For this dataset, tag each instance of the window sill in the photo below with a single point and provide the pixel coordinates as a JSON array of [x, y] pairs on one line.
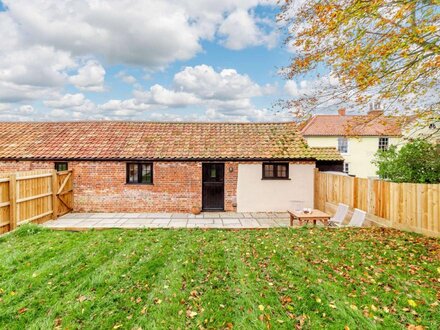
[[282, 179], [139, 184]]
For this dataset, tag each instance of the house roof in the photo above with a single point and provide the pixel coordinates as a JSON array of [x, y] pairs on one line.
[[156, 141], [360, 125]]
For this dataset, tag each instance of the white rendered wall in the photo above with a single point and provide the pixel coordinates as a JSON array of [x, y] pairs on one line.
[[361, 151], [257, 195]]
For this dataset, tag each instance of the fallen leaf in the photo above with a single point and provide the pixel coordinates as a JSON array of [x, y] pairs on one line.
[[22, 310], [261, 307], [412, 303], [191, 314]]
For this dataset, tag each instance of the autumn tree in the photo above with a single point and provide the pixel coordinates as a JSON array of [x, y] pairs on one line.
[[382, 50]]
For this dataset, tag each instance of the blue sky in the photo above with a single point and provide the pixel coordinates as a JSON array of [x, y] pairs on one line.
[[143, 60]]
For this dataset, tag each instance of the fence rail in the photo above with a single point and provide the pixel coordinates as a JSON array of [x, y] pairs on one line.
[[406, 206], [34, 196]]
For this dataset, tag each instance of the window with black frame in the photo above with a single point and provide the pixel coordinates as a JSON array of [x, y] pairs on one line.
[[140, 173], [61, 166], [275, 171], [383, 143]]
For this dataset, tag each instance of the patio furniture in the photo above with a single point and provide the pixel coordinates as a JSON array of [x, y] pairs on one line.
[[339, 216], [357, 220], [314, 216]]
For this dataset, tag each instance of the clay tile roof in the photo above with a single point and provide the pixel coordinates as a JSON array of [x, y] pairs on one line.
[[153, 141], [327, 154], [361, 125]]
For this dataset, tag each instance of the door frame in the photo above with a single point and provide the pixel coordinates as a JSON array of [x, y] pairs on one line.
[[204, 209]]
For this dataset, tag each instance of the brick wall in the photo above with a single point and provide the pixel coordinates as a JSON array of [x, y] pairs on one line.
[[11, 166], [101, 186]]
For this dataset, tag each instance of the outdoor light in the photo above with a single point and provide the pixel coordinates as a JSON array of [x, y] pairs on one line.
[[231, 169]]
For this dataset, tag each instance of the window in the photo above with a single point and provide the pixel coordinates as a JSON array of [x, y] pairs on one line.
[[346, 168], [383, 143], [61, 166], [342, 145], [140, 173], [432, 126], [275, 170]]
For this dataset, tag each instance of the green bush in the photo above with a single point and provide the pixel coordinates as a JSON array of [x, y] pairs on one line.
[[417, 161]]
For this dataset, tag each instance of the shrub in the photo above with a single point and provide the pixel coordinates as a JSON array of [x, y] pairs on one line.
[[417, 161]]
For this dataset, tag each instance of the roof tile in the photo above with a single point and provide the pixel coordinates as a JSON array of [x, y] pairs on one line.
[[159, 141], [360, 125]]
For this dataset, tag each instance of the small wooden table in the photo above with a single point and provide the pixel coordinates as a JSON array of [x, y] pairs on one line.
[[315, 215]]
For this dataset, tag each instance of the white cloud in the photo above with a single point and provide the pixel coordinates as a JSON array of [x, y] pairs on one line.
[[205, 82], [150, 33], [128, 79], [10, 112], [44, 41], [90, 77], [219, 95], [307, 88], [241, 29], [66, 101]]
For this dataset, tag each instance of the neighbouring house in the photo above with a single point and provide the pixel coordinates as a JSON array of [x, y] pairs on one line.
[[426, 126], [357, 137], [171, 167]]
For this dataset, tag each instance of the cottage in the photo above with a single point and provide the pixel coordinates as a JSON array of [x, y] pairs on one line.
[[171, 167], [357, 137]]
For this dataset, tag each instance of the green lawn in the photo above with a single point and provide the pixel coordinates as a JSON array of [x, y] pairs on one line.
[[249, 279]]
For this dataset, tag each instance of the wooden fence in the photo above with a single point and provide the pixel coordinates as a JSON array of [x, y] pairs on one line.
[[406, 206], [34, 196]]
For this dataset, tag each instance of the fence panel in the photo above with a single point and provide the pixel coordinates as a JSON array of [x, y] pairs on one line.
[[34, 196], [406, 206]]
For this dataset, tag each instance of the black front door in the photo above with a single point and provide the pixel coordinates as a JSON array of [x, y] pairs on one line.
[[213, 186]]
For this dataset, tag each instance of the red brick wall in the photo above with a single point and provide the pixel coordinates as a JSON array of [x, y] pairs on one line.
[[101, 187], [11, 166]]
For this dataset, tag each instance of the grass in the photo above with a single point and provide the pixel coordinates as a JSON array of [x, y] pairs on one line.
[[169, 279]]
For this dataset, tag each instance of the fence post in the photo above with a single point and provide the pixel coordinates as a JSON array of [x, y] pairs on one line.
[[355, 200], [316, 192], [54, 194], [12, 202], [371, 198]]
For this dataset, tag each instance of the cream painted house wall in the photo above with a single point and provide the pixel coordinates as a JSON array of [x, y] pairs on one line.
[[257, 195], [360, 153]]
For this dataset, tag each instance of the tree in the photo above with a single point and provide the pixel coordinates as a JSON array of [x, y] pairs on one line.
[[417, 161], [382, 50]]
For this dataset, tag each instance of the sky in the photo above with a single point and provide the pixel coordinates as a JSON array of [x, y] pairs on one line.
[[160, 60]]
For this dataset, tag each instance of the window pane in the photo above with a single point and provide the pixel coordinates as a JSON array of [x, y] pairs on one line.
[[61, 166], [146, 173], [132, 173], [268, 171], [342, 145], [383, 143], [282, 171], [213, 172]]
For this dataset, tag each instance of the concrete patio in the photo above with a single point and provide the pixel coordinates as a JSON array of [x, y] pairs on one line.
[[218, 220]]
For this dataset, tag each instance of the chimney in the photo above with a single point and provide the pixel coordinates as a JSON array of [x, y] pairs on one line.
[[375, 109], [341, 112]]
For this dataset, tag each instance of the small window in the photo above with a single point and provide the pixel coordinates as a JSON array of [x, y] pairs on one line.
[[61, 166], [346, 168], [342, 145], [432, 126], [140, 173], [383, 143], [275, 170]]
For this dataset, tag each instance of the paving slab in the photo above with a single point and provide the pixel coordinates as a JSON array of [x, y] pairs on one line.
[[207, 220]]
